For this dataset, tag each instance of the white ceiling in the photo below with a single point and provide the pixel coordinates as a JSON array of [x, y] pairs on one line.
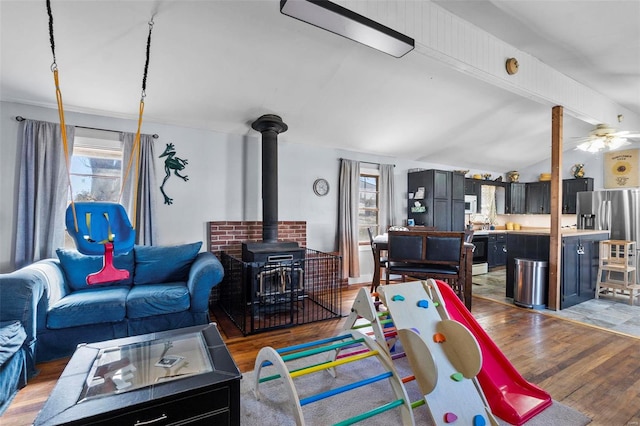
[[221, 64]]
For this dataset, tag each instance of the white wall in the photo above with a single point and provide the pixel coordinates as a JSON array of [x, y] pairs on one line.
[[593, 167], [225, 180]]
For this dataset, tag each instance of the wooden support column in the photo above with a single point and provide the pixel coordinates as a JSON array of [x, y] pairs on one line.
[[555, 238]]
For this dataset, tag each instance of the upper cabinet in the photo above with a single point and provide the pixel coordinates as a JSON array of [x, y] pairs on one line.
[[570, 189], [516, 197], [436, 198], [538, 197], [487, 191], [525, 198]]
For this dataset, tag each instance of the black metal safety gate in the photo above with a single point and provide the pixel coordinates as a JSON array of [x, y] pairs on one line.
[[261, 296]]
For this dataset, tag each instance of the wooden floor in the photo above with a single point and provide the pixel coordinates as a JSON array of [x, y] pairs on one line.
[[594, 371]]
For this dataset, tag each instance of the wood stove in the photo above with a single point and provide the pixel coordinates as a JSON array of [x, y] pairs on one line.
[[276, 284]]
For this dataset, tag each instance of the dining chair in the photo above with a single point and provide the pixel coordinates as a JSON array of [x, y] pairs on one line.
[[437, 255], [382, 261]]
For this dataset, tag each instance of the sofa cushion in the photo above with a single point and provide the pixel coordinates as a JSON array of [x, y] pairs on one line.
[[77, 266], [163, 264], [92, 306], [12, 336], [157, 299]]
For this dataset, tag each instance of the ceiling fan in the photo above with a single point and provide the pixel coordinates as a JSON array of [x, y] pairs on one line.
[[605, 136]]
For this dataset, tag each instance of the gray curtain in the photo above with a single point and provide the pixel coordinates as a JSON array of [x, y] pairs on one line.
[[144, 222], [43, 191], [387, 195], [348, 217]]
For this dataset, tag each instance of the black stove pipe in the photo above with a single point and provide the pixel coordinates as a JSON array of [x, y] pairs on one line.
[[270, 125]]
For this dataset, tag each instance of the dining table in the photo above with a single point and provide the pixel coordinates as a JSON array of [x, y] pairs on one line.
[[381, 244]]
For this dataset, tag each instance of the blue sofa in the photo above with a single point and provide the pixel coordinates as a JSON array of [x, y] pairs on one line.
[[18, 302], [168, 287]]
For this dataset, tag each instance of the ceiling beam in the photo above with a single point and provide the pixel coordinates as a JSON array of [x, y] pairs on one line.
[[443, 36]]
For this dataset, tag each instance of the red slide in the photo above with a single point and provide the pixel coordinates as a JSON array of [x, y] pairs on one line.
[[509, 395]]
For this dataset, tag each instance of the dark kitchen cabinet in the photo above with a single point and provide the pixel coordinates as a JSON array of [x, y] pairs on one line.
[[457, 202], [457, 187], [473, 187], [497, 250], [570, 188], [516, 198], [580, 256], [436, 199], [538, 197]]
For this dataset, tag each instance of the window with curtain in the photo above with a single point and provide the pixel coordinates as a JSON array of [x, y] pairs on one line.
[[43, 186], [96, 168], [368, 205]]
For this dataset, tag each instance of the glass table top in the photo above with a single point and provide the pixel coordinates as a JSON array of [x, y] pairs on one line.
[[120, 369]]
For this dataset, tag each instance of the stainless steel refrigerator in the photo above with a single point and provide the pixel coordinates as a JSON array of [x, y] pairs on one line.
[[617, 211]]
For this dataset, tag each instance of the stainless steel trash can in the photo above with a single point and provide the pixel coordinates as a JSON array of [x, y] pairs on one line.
[[531, 283]]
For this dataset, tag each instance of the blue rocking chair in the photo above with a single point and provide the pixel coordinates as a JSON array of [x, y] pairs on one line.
[[101, 228]]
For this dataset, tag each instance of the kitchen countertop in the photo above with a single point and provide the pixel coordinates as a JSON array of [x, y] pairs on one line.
[[541, 231]]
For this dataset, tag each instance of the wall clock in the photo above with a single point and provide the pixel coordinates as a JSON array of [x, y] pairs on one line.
[[321, 187]]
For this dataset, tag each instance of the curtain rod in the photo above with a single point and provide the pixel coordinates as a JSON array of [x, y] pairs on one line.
[[155, 136], [365, 162]]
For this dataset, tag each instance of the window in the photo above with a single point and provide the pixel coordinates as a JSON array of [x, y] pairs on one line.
[[368, 207], [96, 168]]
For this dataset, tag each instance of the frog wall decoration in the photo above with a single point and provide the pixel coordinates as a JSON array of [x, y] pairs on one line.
[[172, 163]]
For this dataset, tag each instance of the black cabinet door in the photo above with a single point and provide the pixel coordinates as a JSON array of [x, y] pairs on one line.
[[516, 196], [538, 196], [501, 255], [457, 215], [469, 187], [492, 253], [442, 184], [570, 272], [442, 214], [457, 186], [580, 256], [570, 188], [497, 252], [473, 187], [500, 258]]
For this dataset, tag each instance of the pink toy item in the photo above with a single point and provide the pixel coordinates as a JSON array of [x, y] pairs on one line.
[[510, 396]]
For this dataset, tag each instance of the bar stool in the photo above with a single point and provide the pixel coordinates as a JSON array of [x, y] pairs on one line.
[[617, 269]]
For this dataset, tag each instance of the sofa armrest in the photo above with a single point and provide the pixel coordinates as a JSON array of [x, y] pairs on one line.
[[20, 294], [26, 294], [206, 272]]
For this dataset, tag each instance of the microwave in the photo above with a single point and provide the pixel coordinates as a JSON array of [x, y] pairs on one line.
[[470, 204]]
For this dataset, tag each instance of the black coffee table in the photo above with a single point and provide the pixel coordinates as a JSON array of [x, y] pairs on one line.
[[183, 376]]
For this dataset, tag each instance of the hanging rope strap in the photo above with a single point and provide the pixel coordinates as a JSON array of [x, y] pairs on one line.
[[63, 127], [136, 142]]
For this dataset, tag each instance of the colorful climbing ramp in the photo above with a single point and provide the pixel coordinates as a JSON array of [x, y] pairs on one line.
[[444, 356], [272, 364]]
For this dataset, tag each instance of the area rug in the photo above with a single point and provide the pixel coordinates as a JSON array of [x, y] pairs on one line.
[[273, 408]]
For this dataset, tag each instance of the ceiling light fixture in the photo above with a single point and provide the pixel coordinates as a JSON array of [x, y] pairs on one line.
[[598, 143], [335, 18], [604, 136]]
